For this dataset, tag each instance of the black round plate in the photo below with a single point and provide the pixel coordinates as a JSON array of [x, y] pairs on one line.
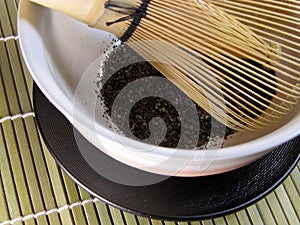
[[174, 198]]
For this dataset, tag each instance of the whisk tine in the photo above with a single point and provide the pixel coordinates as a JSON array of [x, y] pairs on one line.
[[276, 5], [235, 7], [189, 68], [237, 59], [225, 41], [152, 36]]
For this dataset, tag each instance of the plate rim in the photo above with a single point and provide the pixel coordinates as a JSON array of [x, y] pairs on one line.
[[98, 196]]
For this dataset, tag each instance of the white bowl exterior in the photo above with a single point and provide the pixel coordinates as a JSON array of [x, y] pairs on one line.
[[58, 49]]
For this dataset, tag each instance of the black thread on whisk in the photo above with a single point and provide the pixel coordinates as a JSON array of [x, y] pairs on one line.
[[136, 14]]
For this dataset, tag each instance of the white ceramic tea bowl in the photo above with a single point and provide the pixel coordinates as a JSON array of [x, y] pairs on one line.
[[63, 57]]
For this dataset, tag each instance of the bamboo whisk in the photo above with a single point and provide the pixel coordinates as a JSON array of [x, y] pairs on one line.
[[238, 60]]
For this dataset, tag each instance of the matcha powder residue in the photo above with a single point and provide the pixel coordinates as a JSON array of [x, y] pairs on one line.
[[152, 118]]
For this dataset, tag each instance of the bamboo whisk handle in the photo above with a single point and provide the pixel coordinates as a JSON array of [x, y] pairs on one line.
[[86, 11]]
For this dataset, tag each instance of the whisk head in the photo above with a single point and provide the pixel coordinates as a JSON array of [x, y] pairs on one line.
[[239, 60]]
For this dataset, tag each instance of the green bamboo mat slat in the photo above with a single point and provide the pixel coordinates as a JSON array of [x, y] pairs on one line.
[[195, 223], [89, 209], [4, 110], [293, 196], [277, 212], [12, 179], [182, 223], [8, 18], [130, 219], [46, 187], [265, 212], [169, 223], [73, 196], [57, 186], [116, 216], [28, 82], [220, 221], [11, 205], [29, 171], [295, 175], [207, 222], [158, 222], [8, 81], [286, 205], [254, 215], [243, 217], [34, 190], [103, 213], [18, 75], [231, 219], [143, 221], [4, 215], [13, 78], [6, 184]]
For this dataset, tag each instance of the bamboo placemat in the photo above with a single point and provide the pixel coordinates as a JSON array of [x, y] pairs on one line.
[[33, 190]]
